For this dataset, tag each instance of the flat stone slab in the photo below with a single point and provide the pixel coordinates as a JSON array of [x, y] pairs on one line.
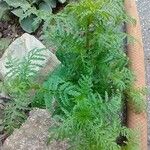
[[33, 134]]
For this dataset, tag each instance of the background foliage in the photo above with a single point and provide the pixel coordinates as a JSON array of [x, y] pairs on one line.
[[30, 12]]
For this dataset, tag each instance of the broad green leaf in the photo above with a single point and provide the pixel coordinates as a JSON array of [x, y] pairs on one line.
[[45, 7], [62, 1], [34, 1], [24, 4], [3, 9], [51, 3], [18, 12], [28, 24]]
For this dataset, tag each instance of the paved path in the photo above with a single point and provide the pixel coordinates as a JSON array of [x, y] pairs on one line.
[[144, 12]]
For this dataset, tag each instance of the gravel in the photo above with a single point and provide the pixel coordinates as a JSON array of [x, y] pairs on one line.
[[144, 13]]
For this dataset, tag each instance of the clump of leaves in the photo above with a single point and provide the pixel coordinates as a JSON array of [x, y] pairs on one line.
[[86, 92], [21, 85], [30, 12]]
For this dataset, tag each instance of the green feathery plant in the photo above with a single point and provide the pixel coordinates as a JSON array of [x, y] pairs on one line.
[[20, 84], [87, 92]]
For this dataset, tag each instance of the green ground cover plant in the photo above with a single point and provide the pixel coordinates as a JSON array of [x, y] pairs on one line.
[[89, 89]]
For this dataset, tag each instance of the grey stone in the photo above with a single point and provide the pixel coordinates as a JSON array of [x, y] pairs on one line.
[[33, 134], [21, 47]]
